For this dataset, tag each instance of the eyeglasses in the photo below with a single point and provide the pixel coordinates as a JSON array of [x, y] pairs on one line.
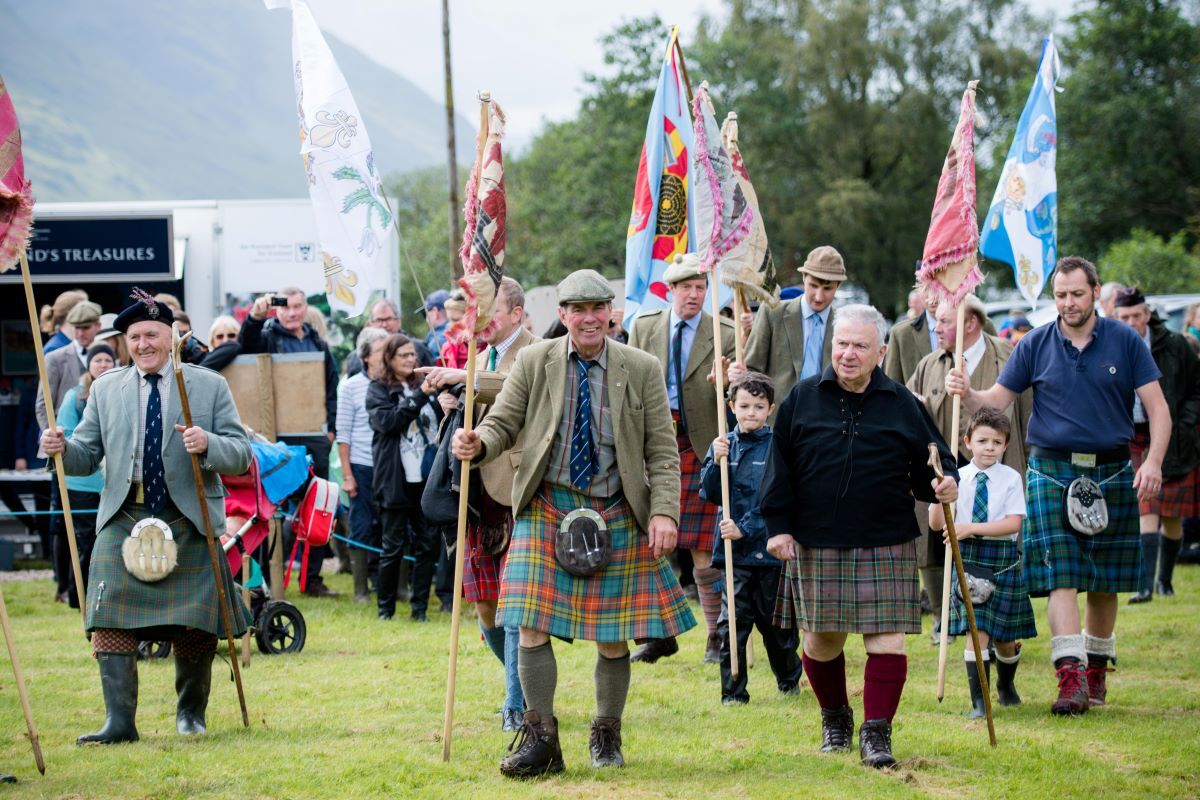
[[378, 320]]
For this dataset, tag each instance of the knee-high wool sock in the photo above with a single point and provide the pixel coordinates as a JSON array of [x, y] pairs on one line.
[[885, 675], [539, 677], [710, 601], [828, 680], [495, 639], [612, 685]]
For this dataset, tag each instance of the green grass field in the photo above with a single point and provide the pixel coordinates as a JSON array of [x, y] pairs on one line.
[[358, 714]]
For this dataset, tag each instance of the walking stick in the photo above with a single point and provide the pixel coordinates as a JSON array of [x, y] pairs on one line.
[[935, 461], [52, 424], [955, 415], [223, 599], [246, 600], [19, 677]]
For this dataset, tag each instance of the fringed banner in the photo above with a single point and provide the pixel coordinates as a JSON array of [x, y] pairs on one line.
[[748, 266], [16, 193]]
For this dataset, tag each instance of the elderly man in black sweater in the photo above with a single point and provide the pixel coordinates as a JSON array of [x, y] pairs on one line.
[[849, 454]]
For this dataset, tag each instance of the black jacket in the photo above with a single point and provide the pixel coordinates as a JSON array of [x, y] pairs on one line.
[[1181, 387], [257, 336], [391, 411], [844, 467]]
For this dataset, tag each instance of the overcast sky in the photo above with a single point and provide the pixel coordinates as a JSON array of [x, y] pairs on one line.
[[532, 54]]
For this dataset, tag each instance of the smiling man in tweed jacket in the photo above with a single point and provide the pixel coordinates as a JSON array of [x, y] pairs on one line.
[[598, 435], [132, 425]]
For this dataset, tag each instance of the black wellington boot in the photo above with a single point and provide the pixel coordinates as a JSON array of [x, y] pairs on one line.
[[1006, 688], [119, 683], [977, 708], [193, 681]]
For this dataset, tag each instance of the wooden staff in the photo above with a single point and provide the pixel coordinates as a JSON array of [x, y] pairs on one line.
[[246, 600], [460, 539], [724, 464], [955, 413], [935, 461], [739, 345], [52, 424], [19, 676], [223, 599]]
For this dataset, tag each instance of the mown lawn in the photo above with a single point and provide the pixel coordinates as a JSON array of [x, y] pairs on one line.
[[359, 714]]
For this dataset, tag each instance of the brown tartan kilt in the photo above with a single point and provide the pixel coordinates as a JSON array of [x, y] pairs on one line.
[[851, 590], [697, 516], [1178, 498]]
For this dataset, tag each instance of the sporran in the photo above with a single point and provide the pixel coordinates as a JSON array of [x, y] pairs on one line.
[[981, 584], [583, 543], [150, 552], [1084, 508]]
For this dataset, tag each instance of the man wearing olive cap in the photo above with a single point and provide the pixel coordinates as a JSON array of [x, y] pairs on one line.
[[598, 438], [133, 427], [65, 365]]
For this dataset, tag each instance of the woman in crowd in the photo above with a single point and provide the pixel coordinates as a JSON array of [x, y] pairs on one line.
[[83, 492], [52, 318], [222, 343], [404, 418]]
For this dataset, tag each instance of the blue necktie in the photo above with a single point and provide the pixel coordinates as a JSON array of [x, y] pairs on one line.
[[814, 346], [154, 480], [583, 449], [979, 509], [677, 369]]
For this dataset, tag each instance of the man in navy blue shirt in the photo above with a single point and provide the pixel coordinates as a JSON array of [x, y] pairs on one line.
[[1085, 372]]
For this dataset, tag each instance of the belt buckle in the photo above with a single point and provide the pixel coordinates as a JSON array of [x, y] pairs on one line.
[[139, 494], [1086, 460]]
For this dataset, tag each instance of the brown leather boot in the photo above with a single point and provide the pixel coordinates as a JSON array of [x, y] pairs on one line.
[[1072, 689], [605, 743], [712, 649], [538, 752], [1097, 683]]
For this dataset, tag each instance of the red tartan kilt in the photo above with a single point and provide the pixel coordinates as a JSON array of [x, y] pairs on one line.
[[697, 517], [1180, 497], [481, 569]]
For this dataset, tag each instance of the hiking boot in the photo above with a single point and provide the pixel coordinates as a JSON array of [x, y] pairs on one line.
[[1097, 685], [193, 681], [837, 729], [712, 649], [978, 709], [538, 752], [655, 649], [875, 744], [1006, 689], [119, 683], [604, 742], [1072, 689], [316, 588]]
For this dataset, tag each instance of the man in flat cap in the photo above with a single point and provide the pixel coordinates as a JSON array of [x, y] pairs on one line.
[[794, 340], [681, 337], [132, 426], [596, 498]]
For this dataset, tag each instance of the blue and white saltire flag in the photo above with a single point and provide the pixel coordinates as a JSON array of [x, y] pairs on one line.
[[1021, 227], [354, 224]]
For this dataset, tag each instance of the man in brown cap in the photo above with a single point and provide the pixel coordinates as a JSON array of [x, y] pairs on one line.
[[792, 341]]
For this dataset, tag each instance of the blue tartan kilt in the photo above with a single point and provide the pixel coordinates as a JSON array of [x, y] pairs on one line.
[[1007, 615], [1055, 556]]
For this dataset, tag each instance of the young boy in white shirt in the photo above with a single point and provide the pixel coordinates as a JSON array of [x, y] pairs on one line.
[[987, 521]]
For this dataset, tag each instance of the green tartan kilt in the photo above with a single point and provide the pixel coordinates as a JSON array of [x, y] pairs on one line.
[[1055, 556], [1007, 615], [636, 596], [186, 598]]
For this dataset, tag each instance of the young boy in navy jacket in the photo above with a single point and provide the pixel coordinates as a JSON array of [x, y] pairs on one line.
[[755, 571]]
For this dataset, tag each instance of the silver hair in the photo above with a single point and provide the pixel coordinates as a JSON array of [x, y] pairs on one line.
[[861, 314], [366, 338]]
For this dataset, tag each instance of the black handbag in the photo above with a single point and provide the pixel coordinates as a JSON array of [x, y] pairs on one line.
[[439, 498]]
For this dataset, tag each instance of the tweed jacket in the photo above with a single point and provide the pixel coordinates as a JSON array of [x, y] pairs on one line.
[[532, 403], [497, 475], [776, 344], [63, 371], [651, 333], [908, 343], [929, 381], [108, 435]]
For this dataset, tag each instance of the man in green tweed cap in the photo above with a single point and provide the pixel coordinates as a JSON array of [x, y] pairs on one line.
[[599, 444], [132, 426]]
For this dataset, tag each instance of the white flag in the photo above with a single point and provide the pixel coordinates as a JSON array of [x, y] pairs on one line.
[[353, 222]]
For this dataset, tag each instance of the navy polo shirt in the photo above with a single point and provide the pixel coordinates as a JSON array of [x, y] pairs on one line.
[[1082, 399]]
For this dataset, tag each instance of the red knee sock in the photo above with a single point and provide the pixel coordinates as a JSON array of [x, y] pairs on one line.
[[828, 680], [884, 683]]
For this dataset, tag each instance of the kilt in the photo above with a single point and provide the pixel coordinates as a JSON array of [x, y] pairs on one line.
[[635, 597], [1007, 615], [852, 590], [187, 597], [481, 569], [1055, 557], [698, 518], [1179, 497]]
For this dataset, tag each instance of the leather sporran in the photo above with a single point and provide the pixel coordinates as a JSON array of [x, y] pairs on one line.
[[150, 552], [583, 543], [1084, 508], [981, 584]]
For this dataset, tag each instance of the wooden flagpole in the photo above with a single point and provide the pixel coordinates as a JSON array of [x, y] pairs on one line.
[[460, 539], [19, 677], [739, 347], [951, 544], [52, 424]]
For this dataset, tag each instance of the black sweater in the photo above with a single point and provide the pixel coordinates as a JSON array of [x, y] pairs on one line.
[[844, 467]]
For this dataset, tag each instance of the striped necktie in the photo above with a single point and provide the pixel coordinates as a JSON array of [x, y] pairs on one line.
[[154, 480], [583, 448], [979, 509]]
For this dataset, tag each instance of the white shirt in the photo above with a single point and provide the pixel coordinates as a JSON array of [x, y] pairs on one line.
[[974, 354], [1006, 493], [503, 347], [930, 325], [80, 351], [165, 384]]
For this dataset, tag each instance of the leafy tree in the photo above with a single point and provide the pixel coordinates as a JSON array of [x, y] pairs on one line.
[[1155, 265]]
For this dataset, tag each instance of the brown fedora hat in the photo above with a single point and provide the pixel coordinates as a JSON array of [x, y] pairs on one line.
[[825, 263]]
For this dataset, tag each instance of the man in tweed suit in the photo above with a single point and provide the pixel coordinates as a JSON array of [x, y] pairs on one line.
[[132, 427], [598, 436]]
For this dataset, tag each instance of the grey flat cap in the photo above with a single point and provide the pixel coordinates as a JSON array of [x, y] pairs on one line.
[[84, 313], [585, 286]]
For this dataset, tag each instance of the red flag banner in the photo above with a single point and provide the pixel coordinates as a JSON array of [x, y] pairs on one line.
[[16, 194]]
